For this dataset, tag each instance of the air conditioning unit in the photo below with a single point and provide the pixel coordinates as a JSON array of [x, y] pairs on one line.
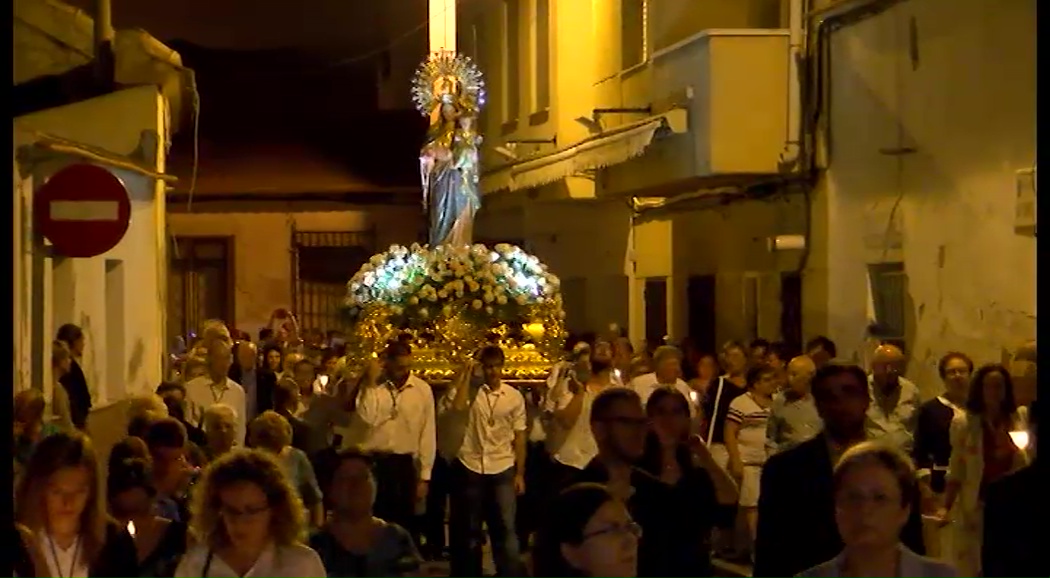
[[1024, 218]]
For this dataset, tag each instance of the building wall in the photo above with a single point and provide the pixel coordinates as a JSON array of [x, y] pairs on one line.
[[953, 82], [124, 333], [262, 247], [602, 257]]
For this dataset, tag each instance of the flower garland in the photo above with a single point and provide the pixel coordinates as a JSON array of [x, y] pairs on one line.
[[418, 287]]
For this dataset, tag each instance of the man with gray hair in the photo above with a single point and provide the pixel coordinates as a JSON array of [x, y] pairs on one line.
[[667, 372]]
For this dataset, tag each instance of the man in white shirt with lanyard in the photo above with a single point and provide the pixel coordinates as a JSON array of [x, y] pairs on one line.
[[397, 411], [488, 473], [569, 406], [217, 387]]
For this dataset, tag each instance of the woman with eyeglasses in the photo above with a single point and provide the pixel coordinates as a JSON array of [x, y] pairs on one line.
[[588, 533], [60, 498], [247, 520], [874, 487]]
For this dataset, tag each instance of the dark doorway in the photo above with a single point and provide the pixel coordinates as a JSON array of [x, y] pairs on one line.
[[322, 263], [791, 309], [702, 319], [655, 310], [199, 283]]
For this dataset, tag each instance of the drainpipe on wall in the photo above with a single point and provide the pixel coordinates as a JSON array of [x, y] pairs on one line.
[[105, 62], [789, 157]]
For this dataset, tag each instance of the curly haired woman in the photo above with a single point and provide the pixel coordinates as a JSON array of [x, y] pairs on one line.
[[247, 520]]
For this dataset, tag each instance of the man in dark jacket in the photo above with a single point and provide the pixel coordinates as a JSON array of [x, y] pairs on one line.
[[796, 508], [1012, 520], [74, 381]]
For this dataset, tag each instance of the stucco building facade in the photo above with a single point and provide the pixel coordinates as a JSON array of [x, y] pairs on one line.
[[117, 297], [916, 118]]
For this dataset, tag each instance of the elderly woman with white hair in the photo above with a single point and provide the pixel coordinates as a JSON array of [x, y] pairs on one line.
[[220, 430]]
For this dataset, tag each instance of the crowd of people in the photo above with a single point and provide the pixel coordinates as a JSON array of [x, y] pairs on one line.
[[284, 457]]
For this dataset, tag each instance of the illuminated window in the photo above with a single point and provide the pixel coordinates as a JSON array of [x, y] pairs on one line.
[[542, 56], [511, 61], [632, 35]]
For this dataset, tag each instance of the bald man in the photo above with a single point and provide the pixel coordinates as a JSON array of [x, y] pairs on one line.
[[894, 409], [793, 416]]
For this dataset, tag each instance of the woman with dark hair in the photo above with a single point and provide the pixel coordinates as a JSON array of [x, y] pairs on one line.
[[705, 373], [354, 542], [159, 542], [745, 437], [588, 532], [74, 380], [60, 498], [982, 452], [247, 519], [705, 494], [933, 446]]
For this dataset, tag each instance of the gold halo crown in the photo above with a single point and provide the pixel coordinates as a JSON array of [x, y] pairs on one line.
[[467, 86]]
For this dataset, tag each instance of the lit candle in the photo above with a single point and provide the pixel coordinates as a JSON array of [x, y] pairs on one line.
[[694, 397], [1020, 439], [131, 529]]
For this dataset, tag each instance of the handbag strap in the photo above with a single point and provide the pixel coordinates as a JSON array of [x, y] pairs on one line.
[[714, 413], [207, 563]]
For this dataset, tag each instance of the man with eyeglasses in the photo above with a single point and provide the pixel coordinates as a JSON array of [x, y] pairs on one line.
[[620, 426]]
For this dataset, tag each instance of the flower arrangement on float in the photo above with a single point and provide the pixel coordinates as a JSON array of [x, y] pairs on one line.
[[456, 295]]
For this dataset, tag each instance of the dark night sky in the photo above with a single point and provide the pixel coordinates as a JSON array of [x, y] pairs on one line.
[[265, 73], [335, 26]]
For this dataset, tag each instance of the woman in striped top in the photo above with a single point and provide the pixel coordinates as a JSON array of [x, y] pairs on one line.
[[745, 436]]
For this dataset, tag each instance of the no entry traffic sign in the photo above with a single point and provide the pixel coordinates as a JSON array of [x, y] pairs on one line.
[[84, 210]]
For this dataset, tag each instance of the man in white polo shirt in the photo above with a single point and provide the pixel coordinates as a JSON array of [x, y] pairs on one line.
[[667, 366], [216, 387], [488, 472]]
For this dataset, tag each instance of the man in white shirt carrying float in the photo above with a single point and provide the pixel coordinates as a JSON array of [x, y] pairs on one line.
[[488, 472], [397, 411]]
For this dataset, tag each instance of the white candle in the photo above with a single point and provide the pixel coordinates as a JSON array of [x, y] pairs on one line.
[[131, 529]]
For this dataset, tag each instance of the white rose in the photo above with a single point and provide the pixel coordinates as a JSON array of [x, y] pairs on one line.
[[521, 299], [446, 310], [432, 297], [413, 300], [489, 309], [476, 304], [501, 299], [488, 297], [424, 312]]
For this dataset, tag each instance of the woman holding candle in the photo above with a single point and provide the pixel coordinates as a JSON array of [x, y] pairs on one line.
[[60, 499], [983, 451], [159, 542]]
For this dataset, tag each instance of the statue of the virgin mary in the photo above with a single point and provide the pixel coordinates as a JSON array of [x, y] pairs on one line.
[[448, 89]]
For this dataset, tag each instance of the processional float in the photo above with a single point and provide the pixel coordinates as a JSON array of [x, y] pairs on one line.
[[451, 296]]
